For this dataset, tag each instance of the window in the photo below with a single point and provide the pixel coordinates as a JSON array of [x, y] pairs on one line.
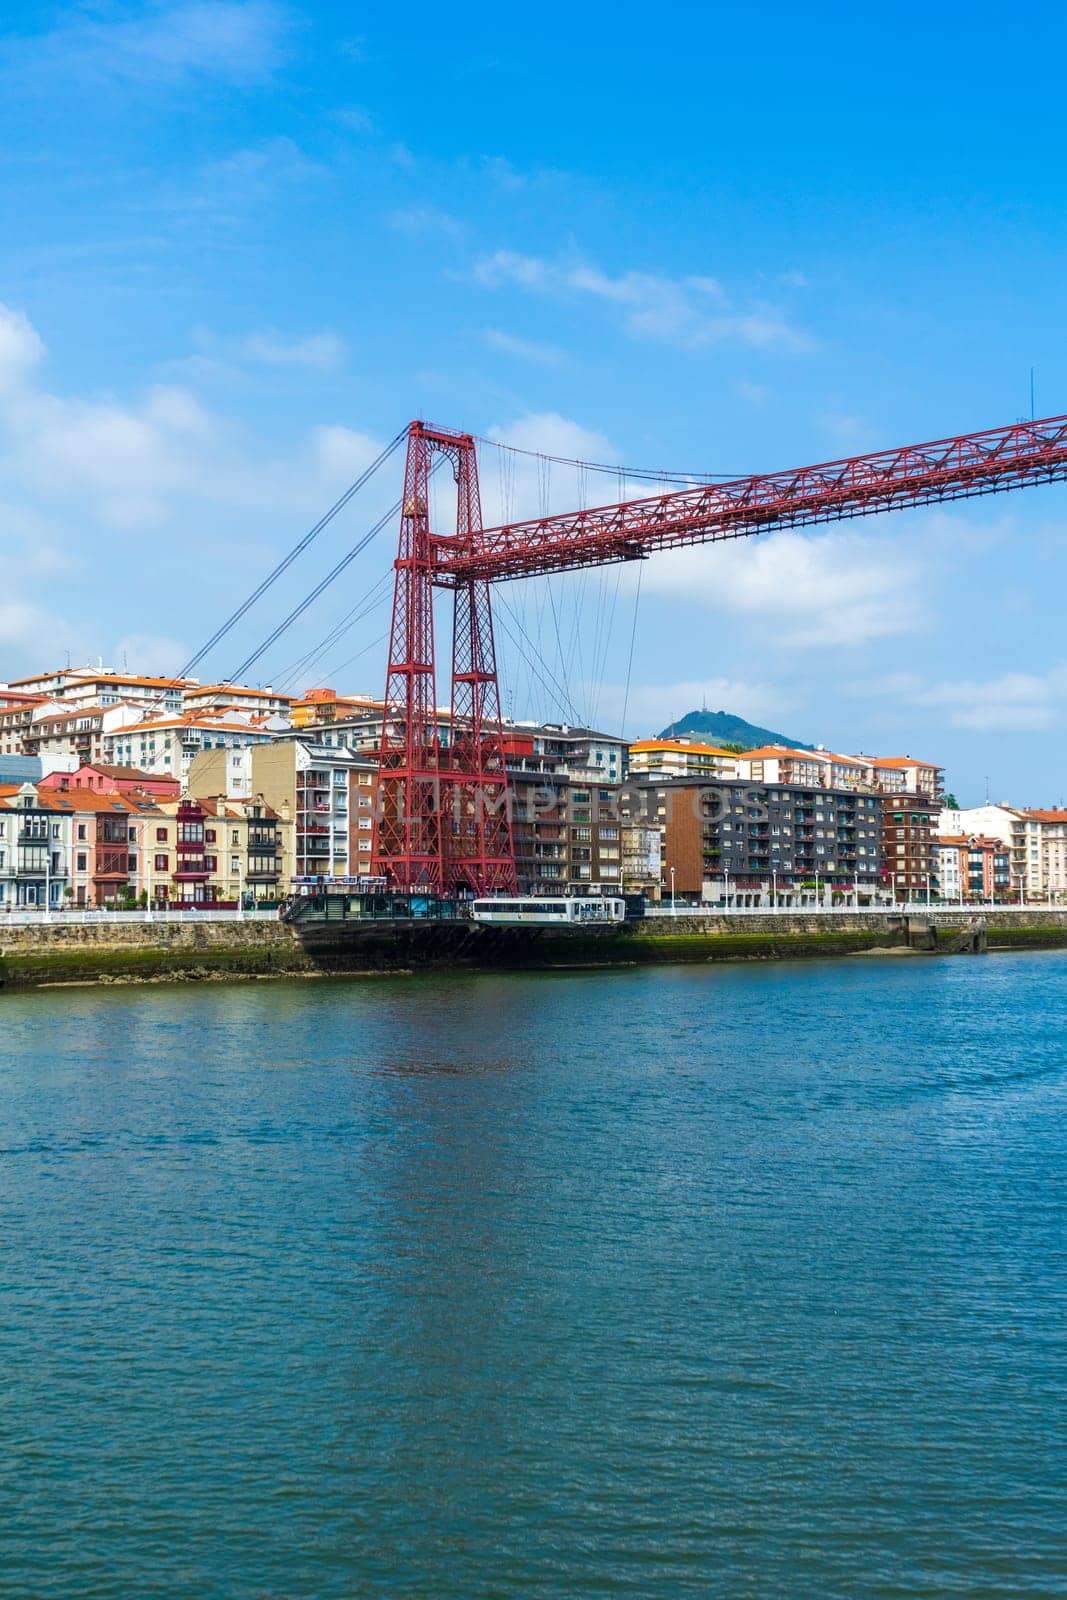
[[161, 835], [81, 830], [235, 837], [210, 863], [235, 863], [209, 835], [161, 863], [81, 861], [131, 863]]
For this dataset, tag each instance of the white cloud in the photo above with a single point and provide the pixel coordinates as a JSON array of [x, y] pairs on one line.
[[150, 652], [757, 394], [355, 119], [239, 40], [526, 485], [827, 589], [853, 433], [20, 347], [29, 563], [131, 465], [258, 168], [692, 312], [1015, 702], [342, 453], [545, 355], [502, 173], [319, 352], [418, 221]]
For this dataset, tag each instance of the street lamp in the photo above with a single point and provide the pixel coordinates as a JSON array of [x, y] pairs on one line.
[[726, 879], [774, 889], [672, 891]]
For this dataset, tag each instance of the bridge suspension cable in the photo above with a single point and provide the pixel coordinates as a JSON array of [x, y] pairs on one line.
[[612, 469], [320, 588], [297, 550]]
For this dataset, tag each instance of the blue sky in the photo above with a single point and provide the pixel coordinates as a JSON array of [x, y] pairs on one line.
[[243, 243]]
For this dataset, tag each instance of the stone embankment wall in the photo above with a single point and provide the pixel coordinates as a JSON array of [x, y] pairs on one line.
[[86, 952], [800, 922], [794, 936], [34, 955]]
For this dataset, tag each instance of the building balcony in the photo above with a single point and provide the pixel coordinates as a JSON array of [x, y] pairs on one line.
[[186, 874]]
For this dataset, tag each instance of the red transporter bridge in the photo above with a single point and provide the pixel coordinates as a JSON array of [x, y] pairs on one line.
[[443, 822]]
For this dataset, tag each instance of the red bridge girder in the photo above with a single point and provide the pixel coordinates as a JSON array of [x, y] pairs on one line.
[[913, 475]]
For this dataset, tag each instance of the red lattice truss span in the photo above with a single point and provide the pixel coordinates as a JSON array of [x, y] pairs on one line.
[[443, 821], [913, 475]]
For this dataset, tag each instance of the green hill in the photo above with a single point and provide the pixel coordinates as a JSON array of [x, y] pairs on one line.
[[719, 727]]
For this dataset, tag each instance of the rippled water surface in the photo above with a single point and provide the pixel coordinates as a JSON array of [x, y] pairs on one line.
[[682, 1282]]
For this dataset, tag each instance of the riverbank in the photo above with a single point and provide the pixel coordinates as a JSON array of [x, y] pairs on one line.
[[33, 956], [41, 955]]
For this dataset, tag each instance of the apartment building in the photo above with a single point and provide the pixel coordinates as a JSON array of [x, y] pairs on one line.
[[779, 763], [680, 758], [329, 793], [909, 835], [642, 859], [57, 731], [98, 777], [1044, 846], [218, 852], [16, 714], [903, 775], [584, 754], [215, 697], [319, 707], [76, 848], [971, 867], [997, 821], [739, 844], [248, 849], [169, 745], [106, 687], [34, 849], [566, 830]]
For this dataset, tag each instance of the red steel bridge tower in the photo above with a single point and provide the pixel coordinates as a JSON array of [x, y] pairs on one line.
[[445, 825]]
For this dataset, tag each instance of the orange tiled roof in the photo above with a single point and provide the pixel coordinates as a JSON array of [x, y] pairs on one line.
[[90, 675], [767, 751], [683, 746], [234, 688], [900, 761]]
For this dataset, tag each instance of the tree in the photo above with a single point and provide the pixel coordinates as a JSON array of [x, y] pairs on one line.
[[950, 803]]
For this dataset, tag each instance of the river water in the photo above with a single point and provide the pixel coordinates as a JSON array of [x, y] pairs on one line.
[[742, 1281]]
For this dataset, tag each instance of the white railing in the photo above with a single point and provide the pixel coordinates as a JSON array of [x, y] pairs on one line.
[[912, 908], [22, 915]]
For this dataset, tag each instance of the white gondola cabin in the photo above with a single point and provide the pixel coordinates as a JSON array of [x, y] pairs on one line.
[[547, 911]]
